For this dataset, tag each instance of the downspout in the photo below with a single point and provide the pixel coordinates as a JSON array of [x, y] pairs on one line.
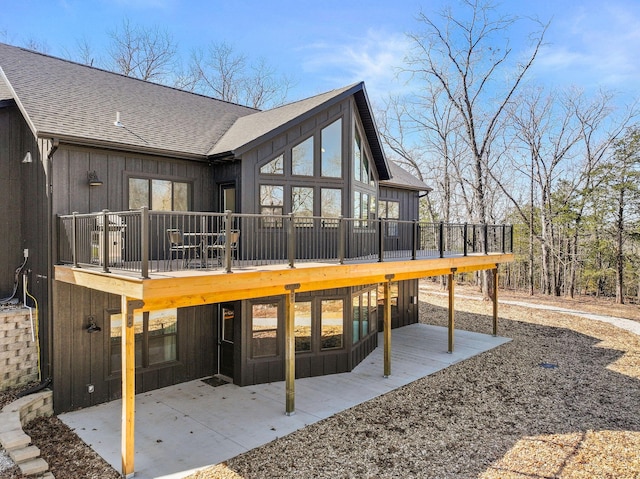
[[50, 251]]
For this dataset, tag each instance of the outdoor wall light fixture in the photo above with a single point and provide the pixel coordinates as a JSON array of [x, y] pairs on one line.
[[27, 158], [92, 176], [93, 327]]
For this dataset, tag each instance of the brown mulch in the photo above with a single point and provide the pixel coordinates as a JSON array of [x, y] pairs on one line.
[[560, 400]]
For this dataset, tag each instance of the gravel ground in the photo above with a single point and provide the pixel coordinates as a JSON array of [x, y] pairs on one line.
[[559, 401]]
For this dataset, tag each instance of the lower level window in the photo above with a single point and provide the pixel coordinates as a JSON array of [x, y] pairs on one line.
[[156, 338], [264, 330], [331, 324]]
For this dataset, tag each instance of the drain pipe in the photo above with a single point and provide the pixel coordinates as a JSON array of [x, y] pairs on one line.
[[55, 143]]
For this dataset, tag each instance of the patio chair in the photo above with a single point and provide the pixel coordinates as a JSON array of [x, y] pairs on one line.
[[179, 249], [218, 248]]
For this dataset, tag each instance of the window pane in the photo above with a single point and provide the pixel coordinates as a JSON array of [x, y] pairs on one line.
[[356, 319], [364, 212], [181, 197], [302, 326], [332, 150], [161, 195], [357, 202], [138, 193], [357, 158], [365, 168], [264, 327], [330, 206], [116, 344], [271, 195], [331, 324], [393, 211], [162, 330], [302, 158], [302, 201], [365, 314], [274, 167]]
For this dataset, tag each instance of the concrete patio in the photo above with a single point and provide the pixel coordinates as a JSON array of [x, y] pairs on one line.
[[192, 425]]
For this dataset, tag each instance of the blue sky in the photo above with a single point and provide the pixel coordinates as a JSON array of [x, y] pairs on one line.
[[328, 44]]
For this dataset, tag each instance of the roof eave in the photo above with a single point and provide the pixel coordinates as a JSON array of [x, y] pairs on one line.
[[89, 142]]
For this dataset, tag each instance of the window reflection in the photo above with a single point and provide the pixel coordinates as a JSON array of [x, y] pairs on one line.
[[302, 158], [274, 167], [331, 324], [302, 326], [264, 327], [332, 150]]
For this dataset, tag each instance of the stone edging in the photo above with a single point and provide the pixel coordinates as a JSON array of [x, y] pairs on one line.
[[14, 440]]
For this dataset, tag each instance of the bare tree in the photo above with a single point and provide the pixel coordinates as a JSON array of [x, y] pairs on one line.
[[468, 57], [145, 53], [225, 74]]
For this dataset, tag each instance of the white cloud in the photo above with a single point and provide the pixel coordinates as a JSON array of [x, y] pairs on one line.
[[596, 46], [374, 58]]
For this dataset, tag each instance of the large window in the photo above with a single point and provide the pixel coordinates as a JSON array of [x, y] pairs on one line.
[[331, 324], [274, 167], [271, 203], [264, 330], [330, 206], [302, 158], [155, 338], [390, 210], [159, 195], [364, 306], [331, 150], [302, 326], [302, 205]]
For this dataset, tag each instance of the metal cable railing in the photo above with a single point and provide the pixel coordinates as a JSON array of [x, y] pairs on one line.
[[143, 241]]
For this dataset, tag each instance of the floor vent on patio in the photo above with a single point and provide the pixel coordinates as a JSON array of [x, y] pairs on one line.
[[215, 381]]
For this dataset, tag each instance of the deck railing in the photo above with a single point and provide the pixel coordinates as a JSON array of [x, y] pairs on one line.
[[144, 242]]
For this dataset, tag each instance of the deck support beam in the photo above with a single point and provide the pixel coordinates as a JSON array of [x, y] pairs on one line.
[[290, 348], [387, 325], [495, 301], [127, 344], [452, 310]]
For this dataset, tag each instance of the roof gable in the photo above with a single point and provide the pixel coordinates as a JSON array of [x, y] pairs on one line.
[[251, 130]]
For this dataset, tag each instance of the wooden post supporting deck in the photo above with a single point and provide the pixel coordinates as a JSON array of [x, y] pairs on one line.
[[387, 326], [128, 350], [495, 301], [451, 308], [290, 348]]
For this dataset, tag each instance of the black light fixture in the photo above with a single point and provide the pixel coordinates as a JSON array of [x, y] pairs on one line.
[[92, 177], [93, 327]]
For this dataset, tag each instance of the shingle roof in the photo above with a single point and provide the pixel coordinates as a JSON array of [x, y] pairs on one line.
[[401, 178], [68, 100], [77, 103]]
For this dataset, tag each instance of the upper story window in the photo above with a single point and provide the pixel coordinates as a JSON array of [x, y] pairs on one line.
[[271, 205], [159, 195], [274, 167], [302, 158], [390, 210], [331, 150], [361, 166]]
